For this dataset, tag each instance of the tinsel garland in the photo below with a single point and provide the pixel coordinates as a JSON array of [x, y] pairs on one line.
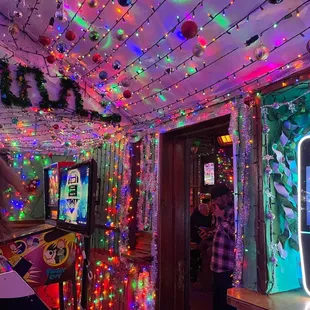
[[7, 97], [125, 200], [147, 184], [241, 117], [270, 215], [150, 171], [154, 246], [66, 84]]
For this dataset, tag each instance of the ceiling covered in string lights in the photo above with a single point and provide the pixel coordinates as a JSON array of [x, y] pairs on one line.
[[149, 61]]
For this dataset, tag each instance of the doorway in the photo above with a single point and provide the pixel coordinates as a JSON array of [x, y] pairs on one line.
[[192, 159]]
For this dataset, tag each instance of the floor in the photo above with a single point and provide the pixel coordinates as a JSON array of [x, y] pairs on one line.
[[200, 300]]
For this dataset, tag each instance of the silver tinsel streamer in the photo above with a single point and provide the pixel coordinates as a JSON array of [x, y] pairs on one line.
[[268, 157], [241, 117]]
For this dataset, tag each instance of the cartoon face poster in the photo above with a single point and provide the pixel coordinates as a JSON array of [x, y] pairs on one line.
[[73, 201], [42, 262]]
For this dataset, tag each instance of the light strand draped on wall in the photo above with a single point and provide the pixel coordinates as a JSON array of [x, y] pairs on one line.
[[125, 200]]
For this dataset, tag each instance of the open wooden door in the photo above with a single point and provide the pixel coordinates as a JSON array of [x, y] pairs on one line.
[[174, 224]]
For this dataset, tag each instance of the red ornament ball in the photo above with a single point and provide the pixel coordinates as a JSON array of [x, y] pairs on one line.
[[50, 59], [96, 57], [189, 29], [56, 126], [70, 35], [127, 94], [44, 40], [50, 155]]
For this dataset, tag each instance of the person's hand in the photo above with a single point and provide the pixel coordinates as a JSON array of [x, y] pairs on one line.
[[219, 213], [203, 234]]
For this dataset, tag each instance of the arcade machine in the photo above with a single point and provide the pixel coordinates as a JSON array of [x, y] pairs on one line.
[[15, 293], [43, 255], [304, 209], [46, 254], [76, 211]]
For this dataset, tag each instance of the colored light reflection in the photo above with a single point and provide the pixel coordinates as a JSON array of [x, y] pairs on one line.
[[77, 19], [115, 88], [180, 35], [108, 42], [191, 70], [161, 97], [137, 70], [222, 21]]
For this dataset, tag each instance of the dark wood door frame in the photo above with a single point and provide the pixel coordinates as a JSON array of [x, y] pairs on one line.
[[173, 225], [173, 216]]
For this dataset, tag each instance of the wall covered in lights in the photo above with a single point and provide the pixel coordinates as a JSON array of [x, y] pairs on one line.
[[118, 282], [30, 168], [285, 121]]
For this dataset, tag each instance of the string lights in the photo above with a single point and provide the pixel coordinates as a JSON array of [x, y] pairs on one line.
[[283, 43], [196, 71], [28, 167], [118, 279]]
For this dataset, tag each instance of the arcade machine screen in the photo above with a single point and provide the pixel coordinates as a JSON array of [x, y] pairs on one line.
[[77, 194], [51, 189], [209, 174]]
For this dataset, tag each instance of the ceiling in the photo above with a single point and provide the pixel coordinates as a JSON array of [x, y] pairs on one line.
[[166, 79]]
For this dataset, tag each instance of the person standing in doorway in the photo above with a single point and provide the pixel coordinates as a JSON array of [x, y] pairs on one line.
[[223, 258]]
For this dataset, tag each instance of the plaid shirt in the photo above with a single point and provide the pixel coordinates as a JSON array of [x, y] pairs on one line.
[[223, 254]]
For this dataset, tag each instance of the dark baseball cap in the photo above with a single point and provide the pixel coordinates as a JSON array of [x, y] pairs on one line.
[[219, 190]]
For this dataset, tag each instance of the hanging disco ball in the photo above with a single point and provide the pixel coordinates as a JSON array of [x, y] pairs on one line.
[[61, 47], [13, 29], [76, 76], [198, 50], [103, 75], [14, 120], [17, 14], [116, 65], [94, 35], [261, 52], [61, 71], [92, 3], [120, 35], [124, 3], [62, 16], [125, 82]]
